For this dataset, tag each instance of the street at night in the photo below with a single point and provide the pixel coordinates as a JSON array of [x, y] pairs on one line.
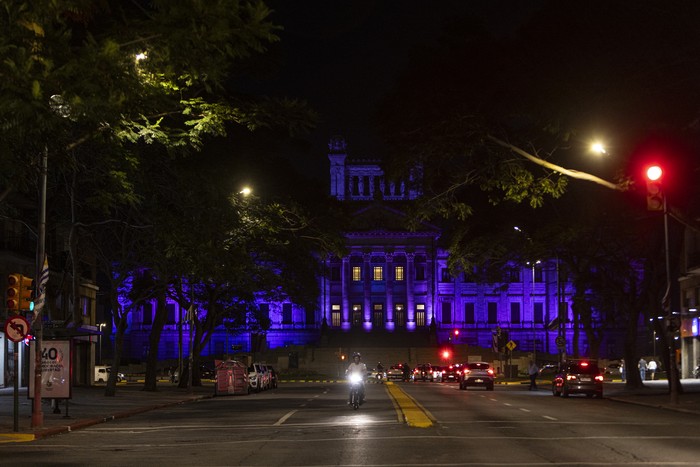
[[310, 424]]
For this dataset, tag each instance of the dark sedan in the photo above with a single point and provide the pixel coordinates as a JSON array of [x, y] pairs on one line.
[[579, 377]]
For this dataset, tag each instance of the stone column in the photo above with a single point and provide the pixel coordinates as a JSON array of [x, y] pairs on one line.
[[345, 306], [389, 281], [410, 303], [367, 290]]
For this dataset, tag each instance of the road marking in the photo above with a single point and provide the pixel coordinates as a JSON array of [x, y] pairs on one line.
[[549, 418], [413, 414], [524, 410], [16, 437], [506, 403], [284, 419]]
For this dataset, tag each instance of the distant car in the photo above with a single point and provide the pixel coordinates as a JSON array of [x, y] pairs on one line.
[[206, 373], [450, 373], [423, 372], [437, 373], [476, 374], [613, 371], [273, 377], [258, 377], [102, 373], [376, 376], [548, 370], [578, 377], [395, 373]]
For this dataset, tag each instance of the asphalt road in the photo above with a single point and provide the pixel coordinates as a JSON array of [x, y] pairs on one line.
[[302, 424]]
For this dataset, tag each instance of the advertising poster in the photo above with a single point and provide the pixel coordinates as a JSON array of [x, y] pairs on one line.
[[55, 369]]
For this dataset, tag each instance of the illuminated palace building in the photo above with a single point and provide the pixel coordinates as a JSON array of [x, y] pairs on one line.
[[394, 287]]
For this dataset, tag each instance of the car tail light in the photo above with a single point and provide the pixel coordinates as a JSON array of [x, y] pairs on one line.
[[490, 371], [570, 377], [467, 371], [599, 378]]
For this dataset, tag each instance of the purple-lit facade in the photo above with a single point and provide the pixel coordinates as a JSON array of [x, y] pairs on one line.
[[393, 281]]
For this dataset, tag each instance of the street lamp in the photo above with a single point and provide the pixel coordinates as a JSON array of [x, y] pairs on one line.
[[598, 148]]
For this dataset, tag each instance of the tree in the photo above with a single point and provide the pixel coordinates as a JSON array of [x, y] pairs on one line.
[[570, 73], [94, 85]]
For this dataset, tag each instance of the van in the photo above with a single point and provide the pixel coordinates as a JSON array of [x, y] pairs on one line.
[[102, 374]]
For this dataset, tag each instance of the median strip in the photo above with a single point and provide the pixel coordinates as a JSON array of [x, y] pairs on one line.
[[412, 413]]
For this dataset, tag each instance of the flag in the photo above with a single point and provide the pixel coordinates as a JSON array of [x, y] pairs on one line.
[[41, 288]]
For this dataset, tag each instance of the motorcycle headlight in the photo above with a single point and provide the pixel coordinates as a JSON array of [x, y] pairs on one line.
[[355, 378]]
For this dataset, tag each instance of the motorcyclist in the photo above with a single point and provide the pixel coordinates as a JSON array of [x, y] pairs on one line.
[[356, 366]]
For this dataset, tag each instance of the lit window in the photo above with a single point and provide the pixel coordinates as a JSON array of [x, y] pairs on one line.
[[378, 273], [398, 273], [420, 314], [335, 315], [356, 273]]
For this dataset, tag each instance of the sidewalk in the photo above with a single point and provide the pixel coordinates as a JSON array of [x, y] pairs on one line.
[[656, 394], [89, 406]]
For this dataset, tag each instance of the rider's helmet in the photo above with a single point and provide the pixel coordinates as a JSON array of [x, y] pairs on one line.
[[356, 355]]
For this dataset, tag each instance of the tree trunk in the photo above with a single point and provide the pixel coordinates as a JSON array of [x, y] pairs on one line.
[[161, 315], [111, 388]]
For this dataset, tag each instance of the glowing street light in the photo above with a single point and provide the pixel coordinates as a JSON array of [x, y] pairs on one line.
[[598, 148]]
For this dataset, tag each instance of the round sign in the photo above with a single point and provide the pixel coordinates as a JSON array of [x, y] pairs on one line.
[[16, 328]]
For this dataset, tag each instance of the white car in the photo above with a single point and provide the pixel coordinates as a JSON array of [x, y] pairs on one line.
[[258, 377]]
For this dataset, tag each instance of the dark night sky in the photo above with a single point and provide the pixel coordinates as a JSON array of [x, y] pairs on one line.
[[343, 55]]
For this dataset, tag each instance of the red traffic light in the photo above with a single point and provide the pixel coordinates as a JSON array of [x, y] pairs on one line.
[[654, 173], [456, 332], [655, 196]]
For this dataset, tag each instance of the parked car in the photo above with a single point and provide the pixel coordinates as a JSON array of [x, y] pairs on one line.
[[258, 377], [273, 377], [206, 373], [102, 374], [476, 374], [613, 371], [579, 377], [423, 372]]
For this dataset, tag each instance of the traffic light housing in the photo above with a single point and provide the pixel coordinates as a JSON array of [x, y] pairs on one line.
[[19, 293], [655, 194]]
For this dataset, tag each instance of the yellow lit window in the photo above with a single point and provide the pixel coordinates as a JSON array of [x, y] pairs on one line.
[[378, 273]]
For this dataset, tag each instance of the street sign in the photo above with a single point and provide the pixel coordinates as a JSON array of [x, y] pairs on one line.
[[561, 342], [16, 328], [511, 345]]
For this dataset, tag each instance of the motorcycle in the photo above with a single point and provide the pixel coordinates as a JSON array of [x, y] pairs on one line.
[[696, 372], [355, 390]]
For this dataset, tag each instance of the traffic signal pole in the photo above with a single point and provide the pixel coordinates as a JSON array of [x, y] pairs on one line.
[[37, 414], [666, 302]]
